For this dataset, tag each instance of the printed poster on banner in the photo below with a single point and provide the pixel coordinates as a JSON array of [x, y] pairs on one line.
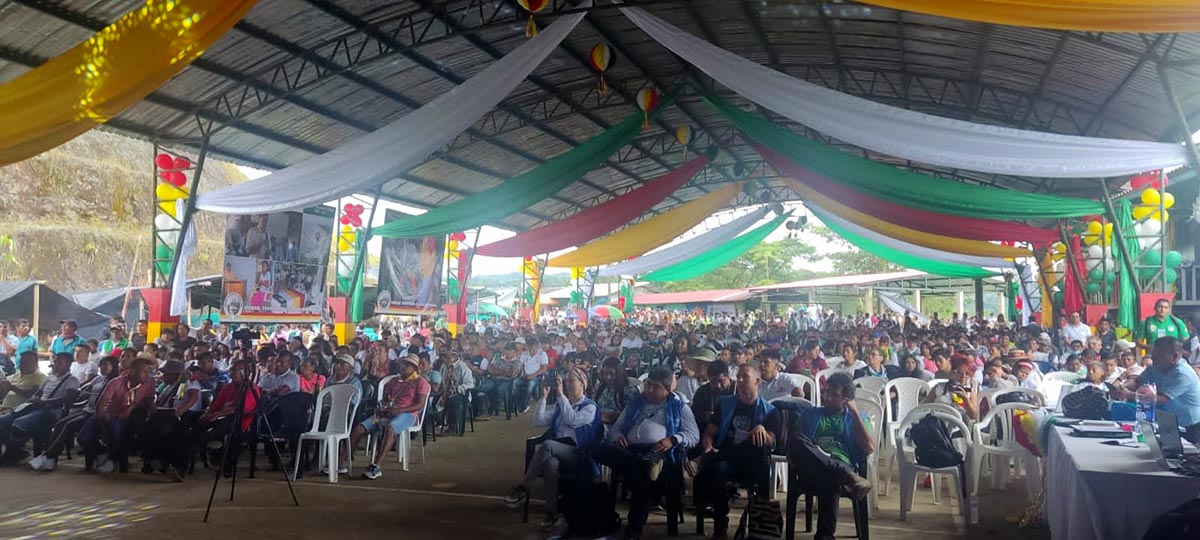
[[410, 274], [275, 266]]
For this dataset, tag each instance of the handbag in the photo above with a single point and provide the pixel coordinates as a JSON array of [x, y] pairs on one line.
[[762, 520]]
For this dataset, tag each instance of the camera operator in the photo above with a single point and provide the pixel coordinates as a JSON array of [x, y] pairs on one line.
[[961, 391]]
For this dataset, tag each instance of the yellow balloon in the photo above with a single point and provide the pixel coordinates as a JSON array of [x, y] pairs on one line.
[[1094, 227], [1140, 212], [1108, 228], [1168, 200], [1151, 196], [343, 245], [1090, 239], [347, 228], [452, 245], [168, 208], [350, 236], [167, 192], [1058, 247]]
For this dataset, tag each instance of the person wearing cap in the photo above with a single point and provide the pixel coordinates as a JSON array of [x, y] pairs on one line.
[[501, 372], [693, 372], [573, 424], [177, 407], [398, 409], [65, 341], [457, 381], [34, 418], [121, 397], [1024, 369], [116, 341], [643, 437]]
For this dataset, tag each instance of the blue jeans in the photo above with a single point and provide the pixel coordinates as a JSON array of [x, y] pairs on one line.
[[399, 423], [108, 435], [522, 389]]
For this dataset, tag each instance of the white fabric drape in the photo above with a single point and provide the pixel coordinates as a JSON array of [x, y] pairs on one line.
[[895, 301], [912, 249], [684, 250], [179, 297], [912, 135], [379, 156]]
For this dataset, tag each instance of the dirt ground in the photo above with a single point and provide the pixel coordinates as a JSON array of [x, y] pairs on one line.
[[455, 493]]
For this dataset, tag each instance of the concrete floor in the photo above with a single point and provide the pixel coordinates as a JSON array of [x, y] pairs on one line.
[[456, 493]]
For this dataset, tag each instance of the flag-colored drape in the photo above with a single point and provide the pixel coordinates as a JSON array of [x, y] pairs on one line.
[[1127, 293], [717, 257], [649, 234], [909, 134], [594, 222], [968, 228], [687, 249], [1138, 16], [908, 248], [518, 193], [903, 259], [901, 186], [114, 69], [933, 241]]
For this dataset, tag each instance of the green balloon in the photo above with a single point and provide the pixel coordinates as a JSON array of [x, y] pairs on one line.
[[1172, 275], [1146, 273], [1152, 257], [1057, 297], [164, 256], [1174, 259], [1092, 288], [1110, 276], [1095, 274]]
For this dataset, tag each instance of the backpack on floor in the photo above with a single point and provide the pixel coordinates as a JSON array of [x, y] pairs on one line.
[[589, 510], [762, 520], [932, 439]]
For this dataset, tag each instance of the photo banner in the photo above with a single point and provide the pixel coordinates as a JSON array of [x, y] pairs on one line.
[[275, 266], [410, 274]]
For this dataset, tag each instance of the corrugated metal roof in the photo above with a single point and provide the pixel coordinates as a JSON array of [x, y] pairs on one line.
[[300, 77]]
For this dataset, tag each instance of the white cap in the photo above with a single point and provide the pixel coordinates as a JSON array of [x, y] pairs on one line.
[[520, 340]]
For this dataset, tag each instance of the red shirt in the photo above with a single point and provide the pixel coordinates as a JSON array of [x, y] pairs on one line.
[[404, 394], [228, 394]]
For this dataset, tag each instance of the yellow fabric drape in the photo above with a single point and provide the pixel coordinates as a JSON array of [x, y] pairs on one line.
[[1144, 16], [647, 235], [920, 238], [1046, 267], [114, 69]]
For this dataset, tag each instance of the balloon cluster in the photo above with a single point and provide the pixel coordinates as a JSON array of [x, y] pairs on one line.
[[1097, 233], [1152, 261], [173, 183], [1152, 213]]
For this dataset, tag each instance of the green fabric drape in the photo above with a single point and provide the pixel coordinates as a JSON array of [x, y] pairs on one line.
[[901, 186], [901, 258], [518, 193], [1127, 303], [1014, 291], [716, 257]]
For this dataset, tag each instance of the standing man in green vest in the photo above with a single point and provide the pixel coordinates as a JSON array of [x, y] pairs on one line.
[[1161, 324]]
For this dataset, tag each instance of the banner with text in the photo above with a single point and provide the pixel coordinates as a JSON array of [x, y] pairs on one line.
[[410, 274]]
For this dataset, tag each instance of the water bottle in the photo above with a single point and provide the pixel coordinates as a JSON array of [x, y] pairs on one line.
[[973, 509], [1147, 395]]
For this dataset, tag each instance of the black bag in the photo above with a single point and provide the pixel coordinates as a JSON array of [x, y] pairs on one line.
[[1182, 521], [1087, 403], [762, 520], [932, 439], [589, 510], [1017, 397]]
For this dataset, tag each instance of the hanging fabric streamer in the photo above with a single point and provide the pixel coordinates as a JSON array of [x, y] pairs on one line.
[[684, 135], [647, 100], [601, 59], [532, 6], [1138, 16]]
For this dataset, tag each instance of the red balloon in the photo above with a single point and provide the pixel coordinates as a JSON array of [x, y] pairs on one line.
[[181, 163], [346, 207], [177, 178], [621, 303], [529, 257], [355, 220], [164, 161], [458, 236], [345, 220]]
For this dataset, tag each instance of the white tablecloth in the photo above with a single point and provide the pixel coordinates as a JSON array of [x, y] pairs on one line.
[[1099, 492]]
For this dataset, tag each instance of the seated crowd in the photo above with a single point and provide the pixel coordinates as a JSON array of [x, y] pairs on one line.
[[651, 400]]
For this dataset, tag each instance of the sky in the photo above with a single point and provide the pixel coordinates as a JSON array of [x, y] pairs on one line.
[[498, 265]]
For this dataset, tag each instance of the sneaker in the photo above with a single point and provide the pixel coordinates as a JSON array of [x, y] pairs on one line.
[[548, 522], [516, 496], [105, 465], [37, 462], [341, 470], [373, 472], [49, 464], [855, 485]]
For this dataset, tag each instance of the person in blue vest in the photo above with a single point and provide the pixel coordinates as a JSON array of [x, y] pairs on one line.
[[573, 423], [65, 341], [827, 445], [737, 446], [641, 439]]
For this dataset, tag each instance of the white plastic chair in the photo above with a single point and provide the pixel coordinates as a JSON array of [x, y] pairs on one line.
[[909, 469], [825, 373], [908, 393], [874, 412], [993, 395], [1000, 445], [808, 384], [343, 400], [1052, 389], [871, 385], [931, 383], [378, 399], [1066, 376]]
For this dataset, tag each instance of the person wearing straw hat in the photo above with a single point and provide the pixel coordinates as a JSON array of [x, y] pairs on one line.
[[693, 372], [402, 400]]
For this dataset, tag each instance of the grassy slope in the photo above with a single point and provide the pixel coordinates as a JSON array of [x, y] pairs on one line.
[[79, 213]]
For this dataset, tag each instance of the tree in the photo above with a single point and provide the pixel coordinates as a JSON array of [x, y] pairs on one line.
[[849, 259], [763, 264]]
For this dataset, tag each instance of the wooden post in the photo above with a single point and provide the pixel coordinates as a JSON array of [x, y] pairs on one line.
[[37, 312]]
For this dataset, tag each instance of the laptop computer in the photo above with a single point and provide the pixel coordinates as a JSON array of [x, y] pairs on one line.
[[1186, 466], [1169, 437]]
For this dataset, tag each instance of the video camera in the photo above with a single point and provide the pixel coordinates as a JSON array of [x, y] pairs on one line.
[[244, 337]]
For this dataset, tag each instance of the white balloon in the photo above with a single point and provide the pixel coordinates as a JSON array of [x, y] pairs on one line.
[[1095, 252], [171, 238], [1151, 227], [163, 221], [1092, 263]]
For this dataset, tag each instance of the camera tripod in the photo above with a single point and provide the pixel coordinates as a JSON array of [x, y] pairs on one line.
[[234, 429]]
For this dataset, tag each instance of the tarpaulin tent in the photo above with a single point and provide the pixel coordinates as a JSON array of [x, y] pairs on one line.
[[17, 299]]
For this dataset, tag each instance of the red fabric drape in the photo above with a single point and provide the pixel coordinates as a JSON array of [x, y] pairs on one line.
[[913, 218], [595, 221], [1072, 289]]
